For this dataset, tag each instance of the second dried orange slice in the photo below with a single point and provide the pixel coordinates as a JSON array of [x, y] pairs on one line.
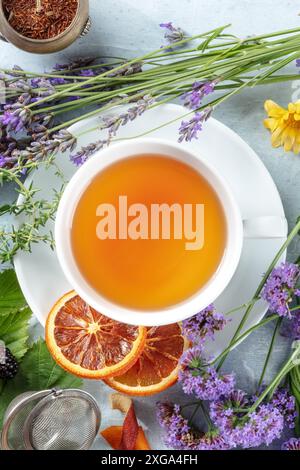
[[88, 344], [157, 367]]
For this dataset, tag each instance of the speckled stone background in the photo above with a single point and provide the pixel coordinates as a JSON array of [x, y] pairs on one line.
[[129, 28]]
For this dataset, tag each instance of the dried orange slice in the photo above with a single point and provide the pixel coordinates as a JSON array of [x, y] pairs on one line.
[[157, 367], [88, 344]]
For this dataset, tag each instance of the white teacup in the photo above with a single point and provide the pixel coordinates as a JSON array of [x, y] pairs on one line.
[[237, 230]]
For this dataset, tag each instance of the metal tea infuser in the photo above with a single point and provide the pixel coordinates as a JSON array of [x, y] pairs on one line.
[[51, 420]]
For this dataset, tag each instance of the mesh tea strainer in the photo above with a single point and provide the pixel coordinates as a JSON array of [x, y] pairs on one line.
[[51, 420]]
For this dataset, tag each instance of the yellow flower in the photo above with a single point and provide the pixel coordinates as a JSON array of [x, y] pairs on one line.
[[284, 125]]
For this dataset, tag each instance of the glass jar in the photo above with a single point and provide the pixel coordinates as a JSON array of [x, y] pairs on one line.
[[79, 27]]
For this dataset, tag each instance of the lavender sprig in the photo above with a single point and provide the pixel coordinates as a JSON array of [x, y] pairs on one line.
[[41, 149], [80, 157], [193, 99], [189, 129], [173, 34]]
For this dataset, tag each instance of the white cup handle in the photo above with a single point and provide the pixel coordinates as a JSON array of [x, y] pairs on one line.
[[265, 227]]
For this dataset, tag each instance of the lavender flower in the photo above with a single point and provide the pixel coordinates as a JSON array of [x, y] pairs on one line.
[[16, 120], [286, 404], [203, 325], [113, 123], [193, 99], [259, 427], [127, 70], [17, 116], [39, 150], [57, 81], [291, 444], [45, 86], [173, 34], [203, 382], [87, 73], [189, 129], [3, 161], [280, 288], [85, 153], [80, 62]]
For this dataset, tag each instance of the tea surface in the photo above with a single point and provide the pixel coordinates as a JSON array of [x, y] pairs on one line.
[[146, 273]]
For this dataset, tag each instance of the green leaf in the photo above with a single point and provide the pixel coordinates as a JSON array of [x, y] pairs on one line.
[[42, 372], [38, 371], [11, 297], [14, 331]]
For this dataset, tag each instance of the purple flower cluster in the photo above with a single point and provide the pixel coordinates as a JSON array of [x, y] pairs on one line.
[[193, 99], [286, 404], [234, 421], [203, 325], [291, 444], [259, 427], [203, 382], [181, 436], [189, 129], [291, 329], [281, 287], [15, 118]]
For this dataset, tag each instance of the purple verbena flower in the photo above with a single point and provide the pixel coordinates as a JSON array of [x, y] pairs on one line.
[[261, 426], [280, 288], [173, 34], [213, 441], [291, 329], [181, 436], [286, 404], [85, 153], [193, 99], [203, 382], [189, 129], [203, 325], [293, 443]]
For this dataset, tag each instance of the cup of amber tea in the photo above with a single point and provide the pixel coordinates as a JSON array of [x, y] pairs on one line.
[[148, 233]]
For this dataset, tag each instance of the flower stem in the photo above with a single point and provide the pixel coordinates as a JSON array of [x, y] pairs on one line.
[[206, 416], [287, 367], [238, 339], [256, 296], [276, 329]]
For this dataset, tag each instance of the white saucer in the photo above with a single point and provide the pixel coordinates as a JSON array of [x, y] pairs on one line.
[[39, 273]]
